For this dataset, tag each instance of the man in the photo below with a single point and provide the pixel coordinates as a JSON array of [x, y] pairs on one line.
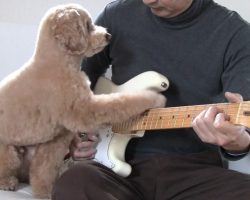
[[204, 50]]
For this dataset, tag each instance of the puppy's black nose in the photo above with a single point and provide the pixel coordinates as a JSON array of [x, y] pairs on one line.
[[108, 37]]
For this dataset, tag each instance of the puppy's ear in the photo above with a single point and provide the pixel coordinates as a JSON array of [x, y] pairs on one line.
[[69, 31]]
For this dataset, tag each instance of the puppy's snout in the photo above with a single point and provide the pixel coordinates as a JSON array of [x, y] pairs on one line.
[[108, 37]]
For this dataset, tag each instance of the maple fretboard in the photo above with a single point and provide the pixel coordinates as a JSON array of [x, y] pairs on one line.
[[182, 117]]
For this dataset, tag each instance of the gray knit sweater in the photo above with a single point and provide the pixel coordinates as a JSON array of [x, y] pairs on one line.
[[204, 52]]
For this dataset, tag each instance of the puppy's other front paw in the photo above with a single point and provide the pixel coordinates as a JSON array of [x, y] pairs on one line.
[[42, 195], [8, 183]]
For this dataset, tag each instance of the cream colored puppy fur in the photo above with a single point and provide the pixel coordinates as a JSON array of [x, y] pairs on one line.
[[45, 102]]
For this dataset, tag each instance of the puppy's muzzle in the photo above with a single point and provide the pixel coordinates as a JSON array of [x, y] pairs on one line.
[[108, 37]]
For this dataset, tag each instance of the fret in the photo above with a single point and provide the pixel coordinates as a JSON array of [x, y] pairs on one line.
[[238, 114], [174, 115], [151, 120], [157, 120], [146, 121], [189, 120], [168, 120], [162, 120], [183, 119]]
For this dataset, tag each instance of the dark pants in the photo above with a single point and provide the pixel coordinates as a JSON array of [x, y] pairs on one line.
[[193, 177]]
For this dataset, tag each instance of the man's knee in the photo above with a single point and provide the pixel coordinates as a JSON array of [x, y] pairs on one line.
[[76, 181]]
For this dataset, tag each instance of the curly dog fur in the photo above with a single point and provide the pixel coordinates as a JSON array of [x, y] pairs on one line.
[[48, 100]]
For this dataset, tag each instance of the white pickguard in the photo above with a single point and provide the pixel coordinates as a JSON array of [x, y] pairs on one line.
[[112, 146]]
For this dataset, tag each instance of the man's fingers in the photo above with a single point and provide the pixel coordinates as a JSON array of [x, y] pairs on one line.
[[233, 97], [79, 155], [85, 145]]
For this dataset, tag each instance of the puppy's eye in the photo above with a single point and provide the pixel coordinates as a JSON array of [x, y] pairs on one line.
[[88, 26]]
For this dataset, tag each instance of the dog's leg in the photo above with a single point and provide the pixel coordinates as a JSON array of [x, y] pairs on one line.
[[119, 107], [111, 108], [46, 163], [9, 166]]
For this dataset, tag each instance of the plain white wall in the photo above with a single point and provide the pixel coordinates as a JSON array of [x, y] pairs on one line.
[[18, 27], [30, 11], [19, 21]]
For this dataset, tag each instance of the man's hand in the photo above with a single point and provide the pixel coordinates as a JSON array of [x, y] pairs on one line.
[[81, 149], [212, 126]]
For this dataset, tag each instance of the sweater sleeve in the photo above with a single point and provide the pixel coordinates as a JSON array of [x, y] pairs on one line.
[[236, 75]]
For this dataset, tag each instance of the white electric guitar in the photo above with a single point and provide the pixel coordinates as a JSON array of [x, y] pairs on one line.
[[113, 140]]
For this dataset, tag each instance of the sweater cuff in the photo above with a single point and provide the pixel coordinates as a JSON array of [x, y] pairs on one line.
[[234, 156]]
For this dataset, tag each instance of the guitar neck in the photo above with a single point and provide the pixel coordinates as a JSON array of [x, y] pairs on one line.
[[182, 117]]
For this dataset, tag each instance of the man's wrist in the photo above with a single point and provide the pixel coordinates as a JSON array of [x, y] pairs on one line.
[[237, 153]]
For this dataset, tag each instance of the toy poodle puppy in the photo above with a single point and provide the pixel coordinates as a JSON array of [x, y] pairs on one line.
[[48, 100]]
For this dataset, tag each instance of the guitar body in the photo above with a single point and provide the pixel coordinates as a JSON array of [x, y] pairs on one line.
[[111, 149], [112, 146]]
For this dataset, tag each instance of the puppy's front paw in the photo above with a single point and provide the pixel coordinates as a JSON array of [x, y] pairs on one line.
[[160, 101], [8, 183], [157, 100]]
